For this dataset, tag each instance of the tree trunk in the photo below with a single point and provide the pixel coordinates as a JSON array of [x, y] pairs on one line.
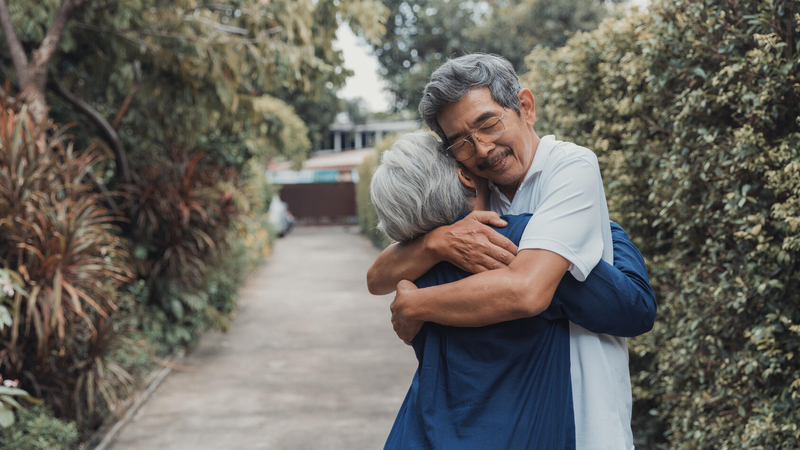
[[32, 75], [36, 102]]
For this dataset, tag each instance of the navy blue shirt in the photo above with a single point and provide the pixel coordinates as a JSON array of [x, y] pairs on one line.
[[508, 385]]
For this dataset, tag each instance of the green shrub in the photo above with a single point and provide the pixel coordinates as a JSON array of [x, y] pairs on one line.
[[367, 217], [37, 429], [66, 248], [692, 109], [196, 226]]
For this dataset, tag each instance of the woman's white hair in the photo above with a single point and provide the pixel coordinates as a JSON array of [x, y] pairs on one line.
[[416, 188]]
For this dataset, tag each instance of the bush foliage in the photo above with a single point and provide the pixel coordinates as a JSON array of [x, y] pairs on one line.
[[96, 284], [367, 217], [692, 110], [89, 295], [37, 429], [70, 264]]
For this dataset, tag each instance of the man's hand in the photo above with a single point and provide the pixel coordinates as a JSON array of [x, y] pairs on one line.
[[468, 243], [405, 328], [471, 245]]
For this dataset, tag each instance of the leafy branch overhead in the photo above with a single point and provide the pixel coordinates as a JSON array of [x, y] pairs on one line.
[[421, 35], [209, 55]]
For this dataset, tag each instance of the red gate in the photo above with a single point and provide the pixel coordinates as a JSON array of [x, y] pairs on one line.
[[321, 203]]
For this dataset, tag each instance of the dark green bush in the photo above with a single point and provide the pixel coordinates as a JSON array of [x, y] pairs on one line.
[[367, 218], [185, 213], [692, 109], [76, 325], [37, 429], [55, 233]]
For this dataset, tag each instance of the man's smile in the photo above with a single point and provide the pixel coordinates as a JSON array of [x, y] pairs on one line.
[[496, 162]]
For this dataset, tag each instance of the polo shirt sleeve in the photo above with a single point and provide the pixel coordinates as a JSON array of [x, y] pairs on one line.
[[568, 219]]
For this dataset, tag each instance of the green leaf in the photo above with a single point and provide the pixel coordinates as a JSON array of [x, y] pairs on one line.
[[10, 401], [6, 416], [699, 72], [13, 391], [5, 318]]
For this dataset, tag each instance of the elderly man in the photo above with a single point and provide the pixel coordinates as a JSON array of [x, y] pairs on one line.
[[478, 107], [506, 385]]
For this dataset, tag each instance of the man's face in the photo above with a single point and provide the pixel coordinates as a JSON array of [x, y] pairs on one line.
[[505, 161]]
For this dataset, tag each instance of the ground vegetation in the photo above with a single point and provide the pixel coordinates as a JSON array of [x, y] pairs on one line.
[[125, 235]]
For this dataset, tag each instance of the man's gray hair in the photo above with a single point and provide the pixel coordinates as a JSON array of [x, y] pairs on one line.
[[416, 188], [455, 78]]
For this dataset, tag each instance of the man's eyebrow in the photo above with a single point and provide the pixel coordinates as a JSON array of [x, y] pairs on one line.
[[475, 123]]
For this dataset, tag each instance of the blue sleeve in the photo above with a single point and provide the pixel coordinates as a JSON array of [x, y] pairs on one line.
[[615, 300]]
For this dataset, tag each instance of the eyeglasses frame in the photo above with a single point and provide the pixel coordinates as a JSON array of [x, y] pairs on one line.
[[472, 138]]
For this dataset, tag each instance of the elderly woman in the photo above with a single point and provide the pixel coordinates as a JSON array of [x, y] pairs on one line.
[[505, 385]]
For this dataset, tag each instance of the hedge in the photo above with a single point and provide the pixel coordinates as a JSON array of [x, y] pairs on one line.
[[367, 217], [90, 294], [692, 110]]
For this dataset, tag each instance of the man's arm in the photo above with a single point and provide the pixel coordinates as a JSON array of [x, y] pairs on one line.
[[468, 244], [615, 300], [564, 233], [523, 289]]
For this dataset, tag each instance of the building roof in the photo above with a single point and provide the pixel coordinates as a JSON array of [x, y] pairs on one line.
[[386, 126], [345, 160]]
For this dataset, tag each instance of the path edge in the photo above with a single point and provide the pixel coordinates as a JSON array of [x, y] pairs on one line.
[[113, 433]]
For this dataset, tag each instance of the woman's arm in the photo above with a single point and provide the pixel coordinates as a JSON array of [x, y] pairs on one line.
[[615, 300]]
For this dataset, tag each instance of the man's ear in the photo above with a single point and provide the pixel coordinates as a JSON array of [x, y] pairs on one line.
[[466, 178], [527, 106]]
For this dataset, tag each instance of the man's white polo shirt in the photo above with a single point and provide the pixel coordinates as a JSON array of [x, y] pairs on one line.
[[564, 192]]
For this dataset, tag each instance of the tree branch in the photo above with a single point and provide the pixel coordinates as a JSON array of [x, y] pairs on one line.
[[112, 137], [135, 40], [43, 55], [17, 52], [205, 41], [137, 70], [50, 42]]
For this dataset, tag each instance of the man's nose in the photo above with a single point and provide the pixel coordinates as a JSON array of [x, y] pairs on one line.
[[482, 148]]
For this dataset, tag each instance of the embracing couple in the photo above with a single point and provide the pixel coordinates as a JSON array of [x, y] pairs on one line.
[[518, 320]]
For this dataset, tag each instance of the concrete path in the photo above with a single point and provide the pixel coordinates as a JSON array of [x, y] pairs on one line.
[[311, 361]]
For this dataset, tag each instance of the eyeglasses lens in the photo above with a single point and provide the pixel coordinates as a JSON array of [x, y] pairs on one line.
[[490, 131]]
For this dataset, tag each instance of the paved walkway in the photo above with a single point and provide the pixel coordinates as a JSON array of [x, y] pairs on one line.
[[311, 361]]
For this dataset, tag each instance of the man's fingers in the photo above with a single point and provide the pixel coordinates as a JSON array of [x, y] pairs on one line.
[[481, 262], [474, 267], [489, 218], [505, 245], [503, 256], [478, 268]]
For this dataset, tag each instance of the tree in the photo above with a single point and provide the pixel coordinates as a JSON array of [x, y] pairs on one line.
[[184, 71], [32, 72], [421, 35]]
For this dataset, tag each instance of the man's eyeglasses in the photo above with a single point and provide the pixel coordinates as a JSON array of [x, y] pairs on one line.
[[488, 132]]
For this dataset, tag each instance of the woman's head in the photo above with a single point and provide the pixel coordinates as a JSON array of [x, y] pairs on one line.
[[416, 188]]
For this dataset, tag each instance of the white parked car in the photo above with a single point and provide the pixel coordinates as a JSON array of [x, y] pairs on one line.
[[279, 216]]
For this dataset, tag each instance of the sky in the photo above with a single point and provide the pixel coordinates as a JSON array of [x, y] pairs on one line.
[[366, 81]]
